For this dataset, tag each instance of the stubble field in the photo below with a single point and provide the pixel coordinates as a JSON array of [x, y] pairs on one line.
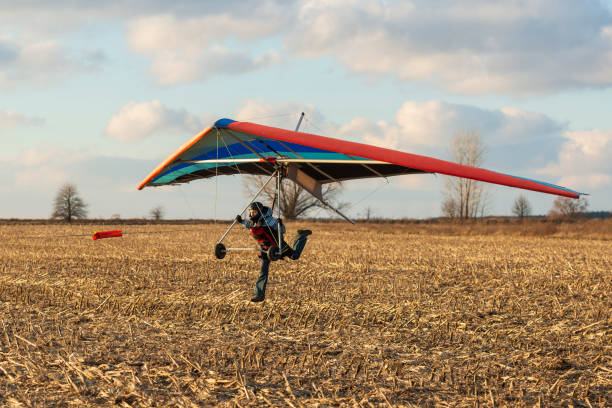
[[371, 315]]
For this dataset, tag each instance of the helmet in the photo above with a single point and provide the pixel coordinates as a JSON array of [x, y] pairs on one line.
[[256, 205]]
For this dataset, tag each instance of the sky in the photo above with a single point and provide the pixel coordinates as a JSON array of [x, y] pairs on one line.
[[98, 93]]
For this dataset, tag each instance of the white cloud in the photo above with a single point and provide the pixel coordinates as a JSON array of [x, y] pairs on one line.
[[42, 167], [194, 48], [472, 46], [10, 120], [185, 42], [40, 61], [584, 160], [468, 47], [137, 121], [45, 167], [379, 133], [65, 15], [432, 124]]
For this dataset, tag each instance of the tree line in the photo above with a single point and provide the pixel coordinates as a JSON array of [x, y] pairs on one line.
[[68, 206], [465, 198]]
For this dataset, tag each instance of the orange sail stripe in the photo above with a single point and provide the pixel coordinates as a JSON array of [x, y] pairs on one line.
[[173, 156]]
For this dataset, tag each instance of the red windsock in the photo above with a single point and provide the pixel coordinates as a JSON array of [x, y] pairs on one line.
[[107, 234]]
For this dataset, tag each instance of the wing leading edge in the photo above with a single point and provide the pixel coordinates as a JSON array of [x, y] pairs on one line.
[[231, 147]]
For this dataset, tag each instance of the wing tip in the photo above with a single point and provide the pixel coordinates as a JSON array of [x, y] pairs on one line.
[[174, 155], [223, 123]]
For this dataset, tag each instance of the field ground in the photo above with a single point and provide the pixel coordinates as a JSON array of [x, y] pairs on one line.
[[372, 315]]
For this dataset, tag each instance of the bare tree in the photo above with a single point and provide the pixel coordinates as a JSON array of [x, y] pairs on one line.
[[295, 201], [564, 207], [450, 208], [368, 213], [157, 213], [466, 198], [521, 207], [68, 205]]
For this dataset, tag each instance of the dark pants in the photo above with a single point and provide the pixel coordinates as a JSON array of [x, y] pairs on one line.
[[298, 246], [262, 280]]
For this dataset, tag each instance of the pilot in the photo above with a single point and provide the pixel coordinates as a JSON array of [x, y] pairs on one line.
[[264, 229]]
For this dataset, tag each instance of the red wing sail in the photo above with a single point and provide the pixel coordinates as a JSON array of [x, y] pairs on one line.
[[408, 160]]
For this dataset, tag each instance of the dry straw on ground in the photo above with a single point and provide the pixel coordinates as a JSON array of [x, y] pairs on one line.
[[372, 315]]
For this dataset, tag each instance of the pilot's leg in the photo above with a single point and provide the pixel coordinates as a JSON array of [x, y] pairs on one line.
[[262, 280], [299, 243]]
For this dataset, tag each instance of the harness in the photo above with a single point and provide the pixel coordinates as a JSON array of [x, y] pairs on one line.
[[262, 236], [265, 238]]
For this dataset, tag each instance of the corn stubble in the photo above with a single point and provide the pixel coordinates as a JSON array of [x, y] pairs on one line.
[[372, 315]]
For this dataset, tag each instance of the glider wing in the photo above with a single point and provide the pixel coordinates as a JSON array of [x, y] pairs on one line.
[[231, 147]]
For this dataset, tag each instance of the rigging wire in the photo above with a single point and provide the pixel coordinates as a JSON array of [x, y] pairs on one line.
[[230, 153], [368, 195], [371, 193], [311, 123], [193, 214], [266, 117], [216, 178], [239, 172]]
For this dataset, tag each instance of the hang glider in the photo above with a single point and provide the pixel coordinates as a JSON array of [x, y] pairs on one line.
[[231, 147]]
